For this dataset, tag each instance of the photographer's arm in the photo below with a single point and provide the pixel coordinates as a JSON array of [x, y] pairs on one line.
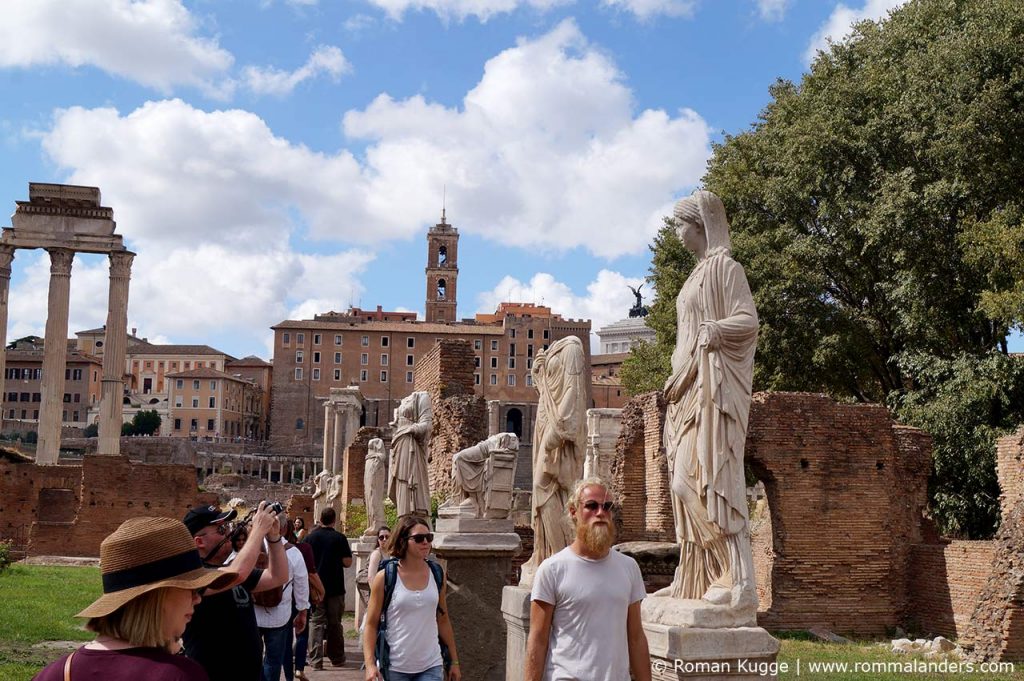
[[276, 573], [245, 560]]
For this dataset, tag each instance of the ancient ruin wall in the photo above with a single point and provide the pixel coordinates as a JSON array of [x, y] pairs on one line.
[[22, 484], [460, 417], [354, 465], [946, 582], [640, 477]]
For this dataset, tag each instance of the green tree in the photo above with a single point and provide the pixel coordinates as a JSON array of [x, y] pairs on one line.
[[877, 209], [146, 422], [92, 430]]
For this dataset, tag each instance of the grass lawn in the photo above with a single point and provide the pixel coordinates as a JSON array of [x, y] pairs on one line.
[[37, 604]]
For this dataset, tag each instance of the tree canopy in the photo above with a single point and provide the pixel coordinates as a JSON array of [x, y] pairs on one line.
[[877, 209]]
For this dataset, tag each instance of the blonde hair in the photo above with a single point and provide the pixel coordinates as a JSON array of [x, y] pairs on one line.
[[140, 621], [577, 492]]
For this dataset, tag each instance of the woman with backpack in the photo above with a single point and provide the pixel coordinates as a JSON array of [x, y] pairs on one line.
[[408, 635]]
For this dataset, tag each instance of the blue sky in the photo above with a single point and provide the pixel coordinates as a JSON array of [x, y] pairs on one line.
[[268, 160]]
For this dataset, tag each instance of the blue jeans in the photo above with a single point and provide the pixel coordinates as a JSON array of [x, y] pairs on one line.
[[432, 674], [275, 644], [301, 643]]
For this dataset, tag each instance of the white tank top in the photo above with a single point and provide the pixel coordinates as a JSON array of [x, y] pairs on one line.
[[412, 628]]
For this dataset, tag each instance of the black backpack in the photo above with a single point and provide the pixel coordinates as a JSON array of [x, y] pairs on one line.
[[382, 650]]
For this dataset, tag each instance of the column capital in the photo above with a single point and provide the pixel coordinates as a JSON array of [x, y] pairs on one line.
[[121, 263], [6, 257], [60, 261]]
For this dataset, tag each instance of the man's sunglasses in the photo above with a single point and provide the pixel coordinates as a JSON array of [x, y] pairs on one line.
[[420, 538], [592, 506]]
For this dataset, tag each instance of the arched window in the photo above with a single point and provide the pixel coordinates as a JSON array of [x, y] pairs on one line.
[[514, 422], [442, 255], [441, 288]]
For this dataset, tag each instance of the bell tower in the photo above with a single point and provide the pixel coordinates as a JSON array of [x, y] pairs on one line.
[[442, 271]]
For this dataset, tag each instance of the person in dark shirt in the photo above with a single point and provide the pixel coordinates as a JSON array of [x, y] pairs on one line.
[[152, 577], [332, 554], [223, 636]]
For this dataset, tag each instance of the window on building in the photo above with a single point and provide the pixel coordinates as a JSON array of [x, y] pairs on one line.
[[494, 346], [76, 374], [494, 362], [63, 414], [408, 377], [409, 360], [512, 379], [179, 383], [385, 341], [298, 356], [209, 425], [337, 358], [529, 362], [545, 346], [37, 374], [12, 397], [478, 344], [67, 397], [512, 333], [365, 341], [299, 424], [195, 402], [529, 380], [476, 362], [35, 414], [494, 379], [511, 362], [316, 339], [149, 365], [177, 424], [195, 384], [11, 414], [316, 374], [547, 333], [364, 358], [410, 342], [316, 358], [187, 366], [337, 339], [529, 350], [298, 373], [476, 379], [178, 401], [383, 377], [286, 339], [337, 374], [213, 403], [529, 333], [364, 375], [383, 359], [511, 349], [77, 397], [300, 339], [36, 397], [213, 385]]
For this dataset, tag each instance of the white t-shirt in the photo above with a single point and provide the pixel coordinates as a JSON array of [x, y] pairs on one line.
[[588, 629]]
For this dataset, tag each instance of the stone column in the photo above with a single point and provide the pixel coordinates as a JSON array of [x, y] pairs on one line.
[[338, 443], [55, 355], [115, 345], [6, 256], [328, 439]]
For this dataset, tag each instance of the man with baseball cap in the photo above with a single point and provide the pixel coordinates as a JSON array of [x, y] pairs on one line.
[[223, 636]]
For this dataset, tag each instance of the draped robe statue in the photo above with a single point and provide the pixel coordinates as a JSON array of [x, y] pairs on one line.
[[408, 480], [559, 446], [374, 482], [708, 396], [469, 472]]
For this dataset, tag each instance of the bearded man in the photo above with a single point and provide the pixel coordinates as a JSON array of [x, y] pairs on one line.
[[585, 610]]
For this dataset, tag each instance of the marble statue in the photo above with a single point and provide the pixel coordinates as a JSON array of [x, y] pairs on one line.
[[374, 481], [408, 480], [333, 498], [321, 482], [708, 397], [559, 446], [477, 491]]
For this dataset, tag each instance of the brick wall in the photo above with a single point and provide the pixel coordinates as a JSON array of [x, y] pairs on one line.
[[108, 491], [354, 465], [946, 581], [20, 487], [640, 478], [1010, 469], [460, 417]]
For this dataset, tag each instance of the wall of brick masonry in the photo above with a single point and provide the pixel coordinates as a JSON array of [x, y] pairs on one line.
[[354, 465], [301, 506], [145, 449], [460, 417], [109, 490], [946, 581], [640, 477], [20, 487]]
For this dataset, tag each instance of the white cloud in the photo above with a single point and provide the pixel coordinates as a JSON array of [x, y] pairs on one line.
[[772, 10], [359, 22], [461, 9], [840, 23], [546, 151], [607, 299], [647, 9], [327, 60], [152, 42]]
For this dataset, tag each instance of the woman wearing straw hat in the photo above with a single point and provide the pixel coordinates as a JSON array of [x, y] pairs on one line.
[[152, 578]]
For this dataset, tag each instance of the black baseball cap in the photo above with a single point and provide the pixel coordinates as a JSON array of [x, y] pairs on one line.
[[201, 516]]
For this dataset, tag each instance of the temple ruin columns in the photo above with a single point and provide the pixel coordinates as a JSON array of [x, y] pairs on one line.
[[55, 350], [116, 345], [328, 438], [339, 440], [6, 257]]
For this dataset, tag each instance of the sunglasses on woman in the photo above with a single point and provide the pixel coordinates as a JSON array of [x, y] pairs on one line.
[[592, 506], [383, 537], [420, 538]]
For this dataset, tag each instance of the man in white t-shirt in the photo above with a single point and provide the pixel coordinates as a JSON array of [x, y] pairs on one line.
[[585, 615], [276, 622]]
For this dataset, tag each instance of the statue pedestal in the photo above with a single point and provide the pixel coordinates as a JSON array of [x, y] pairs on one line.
[[696, 641], [515, 609], [361, 549], [477, 566]]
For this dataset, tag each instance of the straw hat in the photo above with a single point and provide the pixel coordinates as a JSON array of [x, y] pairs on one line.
[[145, 554]]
